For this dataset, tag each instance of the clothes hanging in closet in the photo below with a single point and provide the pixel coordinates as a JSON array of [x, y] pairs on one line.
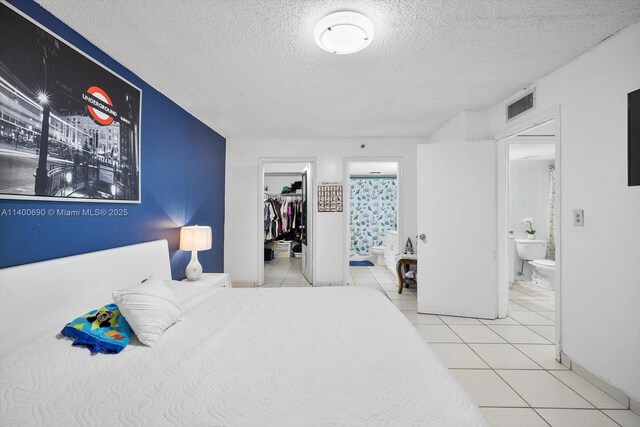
[[281, 215]]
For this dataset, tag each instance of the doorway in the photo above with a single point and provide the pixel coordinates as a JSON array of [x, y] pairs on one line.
[[373, 226], [286, 223], [530, 230]]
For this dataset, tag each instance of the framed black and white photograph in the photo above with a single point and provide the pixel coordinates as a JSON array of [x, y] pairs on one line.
[[69, 127]]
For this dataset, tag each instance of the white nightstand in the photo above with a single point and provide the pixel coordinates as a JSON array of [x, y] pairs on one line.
[[216, 280]]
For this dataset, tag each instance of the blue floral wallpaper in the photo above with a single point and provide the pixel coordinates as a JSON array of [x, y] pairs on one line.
[[373, 210]]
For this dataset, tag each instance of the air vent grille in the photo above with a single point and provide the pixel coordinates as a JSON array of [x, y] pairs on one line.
[[523, 104]]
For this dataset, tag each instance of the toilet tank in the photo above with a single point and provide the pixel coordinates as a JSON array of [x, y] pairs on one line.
[[531, 249]]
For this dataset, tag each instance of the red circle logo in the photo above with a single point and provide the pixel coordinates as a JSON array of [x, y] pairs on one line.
[[99, 116]]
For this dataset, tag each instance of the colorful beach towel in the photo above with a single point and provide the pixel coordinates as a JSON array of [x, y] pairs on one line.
[[104, 329]]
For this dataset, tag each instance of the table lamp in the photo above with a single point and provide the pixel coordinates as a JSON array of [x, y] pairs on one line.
[[195, 238]]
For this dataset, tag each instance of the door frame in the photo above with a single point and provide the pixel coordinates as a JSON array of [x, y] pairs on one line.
[[262, 161], [503, 208], [346, 218]]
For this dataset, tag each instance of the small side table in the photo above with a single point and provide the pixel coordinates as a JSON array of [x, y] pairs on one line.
[[402, 265], [214, 280]]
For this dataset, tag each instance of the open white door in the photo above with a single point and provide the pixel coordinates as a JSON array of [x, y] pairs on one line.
[[307, 222], [457, 267]]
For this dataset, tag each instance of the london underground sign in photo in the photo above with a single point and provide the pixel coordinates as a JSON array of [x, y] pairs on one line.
[[71, 127], [99, 106]]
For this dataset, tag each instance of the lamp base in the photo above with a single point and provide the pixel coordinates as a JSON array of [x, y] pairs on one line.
[[194, 269]]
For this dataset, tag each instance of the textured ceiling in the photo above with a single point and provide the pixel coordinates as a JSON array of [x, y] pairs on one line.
[[251, 68]]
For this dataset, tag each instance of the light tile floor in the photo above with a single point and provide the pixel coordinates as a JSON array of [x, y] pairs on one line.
[[507, 366], [284, 272]]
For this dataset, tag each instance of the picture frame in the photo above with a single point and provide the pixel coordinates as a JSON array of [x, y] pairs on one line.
[[69, 126]]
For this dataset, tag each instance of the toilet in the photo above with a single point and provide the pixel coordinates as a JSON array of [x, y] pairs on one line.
[[544, 273], [528, 250], [378, 252], [544, 270]]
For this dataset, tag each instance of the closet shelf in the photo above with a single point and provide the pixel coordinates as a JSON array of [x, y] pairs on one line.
[[284, 194]]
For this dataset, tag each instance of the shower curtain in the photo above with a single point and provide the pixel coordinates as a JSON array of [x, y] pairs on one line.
[[551, 244], [373, 210]]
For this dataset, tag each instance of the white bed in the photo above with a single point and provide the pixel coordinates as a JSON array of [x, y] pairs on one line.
[[250, 357]]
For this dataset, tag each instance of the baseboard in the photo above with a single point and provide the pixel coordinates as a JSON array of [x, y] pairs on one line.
[[243, 284], [634, 405], [564, 359], [605, 386]]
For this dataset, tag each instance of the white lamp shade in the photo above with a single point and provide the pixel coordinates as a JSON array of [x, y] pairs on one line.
[[195, 238]]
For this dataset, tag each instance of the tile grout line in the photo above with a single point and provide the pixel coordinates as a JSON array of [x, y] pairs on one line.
[[595, 408], [607, 415], [540, 415], [527, 326], [490, 368], [575, 391], [542, 368]]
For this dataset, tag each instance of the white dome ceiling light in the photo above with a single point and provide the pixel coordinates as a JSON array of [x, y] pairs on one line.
[[344, 32]]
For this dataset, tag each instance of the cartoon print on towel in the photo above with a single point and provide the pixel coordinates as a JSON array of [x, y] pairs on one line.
[[373, 210], [103, 329], [102, 319]]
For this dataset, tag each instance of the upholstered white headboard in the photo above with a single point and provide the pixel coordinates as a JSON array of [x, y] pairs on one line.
[[42, 297]]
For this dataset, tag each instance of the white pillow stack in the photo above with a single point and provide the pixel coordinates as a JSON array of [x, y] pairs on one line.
[[149, 308]]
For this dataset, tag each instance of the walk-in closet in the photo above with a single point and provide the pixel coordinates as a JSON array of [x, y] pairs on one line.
[[286, 208]]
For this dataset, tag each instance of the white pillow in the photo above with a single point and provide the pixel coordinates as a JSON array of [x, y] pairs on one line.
[[149, 308]]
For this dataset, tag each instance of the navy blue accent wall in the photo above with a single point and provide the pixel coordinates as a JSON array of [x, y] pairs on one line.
[[182, 169]]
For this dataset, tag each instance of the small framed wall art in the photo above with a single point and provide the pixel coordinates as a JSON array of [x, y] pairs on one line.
[[330, 197]]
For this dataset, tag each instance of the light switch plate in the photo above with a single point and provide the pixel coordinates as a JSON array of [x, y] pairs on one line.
[[578, 218]]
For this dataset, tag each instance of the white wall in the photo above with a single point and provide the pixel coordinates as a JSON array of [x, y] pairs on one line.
[[242, 187], [464, 126], [453, 130], [600, 261]]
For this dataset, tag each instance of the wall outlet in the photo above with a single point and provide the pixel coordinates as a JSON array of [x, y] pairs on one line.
[[578, 218]]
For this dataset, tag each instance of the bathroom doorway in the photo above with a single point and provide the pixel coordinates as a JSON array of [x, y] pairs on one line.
[[286, 217], [372, 215], [529, 227]]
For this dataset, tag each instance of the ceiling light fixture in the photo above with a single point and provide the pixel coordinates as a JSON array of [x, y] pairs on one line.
[[344, 32]]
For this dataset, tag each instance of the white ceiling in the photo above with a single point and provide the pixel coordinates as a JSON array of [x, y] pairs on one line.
[[365, 168], [252, 69]]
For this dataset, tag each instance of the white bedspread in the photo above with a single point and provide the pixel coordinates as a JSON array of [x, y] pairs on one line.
[[250, 357]]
